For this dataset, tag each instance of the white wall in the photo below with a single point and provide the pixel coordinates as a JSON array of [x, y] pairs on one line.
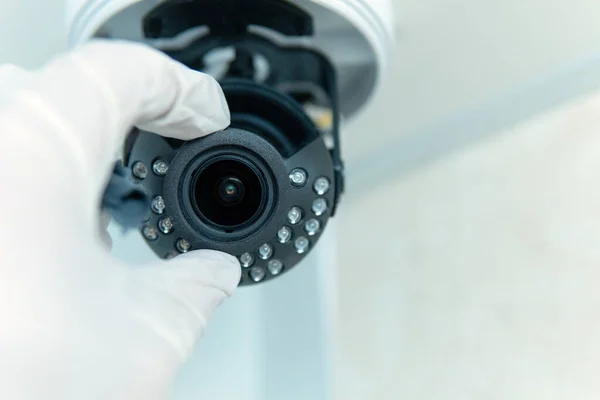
[[477, 276], [468, 249]]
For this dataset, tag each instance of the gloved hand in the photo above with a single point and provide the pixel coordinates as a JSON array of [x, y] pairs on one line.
[[74, 322]]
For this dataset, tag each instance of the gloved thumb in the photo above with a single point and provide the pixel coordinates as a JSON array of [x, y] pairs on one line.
[[174, 299]]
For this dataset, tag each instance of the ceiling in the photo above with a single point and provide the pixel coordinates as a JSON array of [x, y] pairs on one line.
[[455, 64]]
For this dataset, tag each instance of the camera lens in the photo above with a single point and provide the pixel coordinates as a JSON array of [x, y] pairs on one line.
[[228, 192], [261, 190]]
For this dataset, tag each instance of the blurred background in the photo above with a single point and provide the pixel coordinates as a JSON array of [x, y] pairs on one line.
[[463, 263], [468, 265]]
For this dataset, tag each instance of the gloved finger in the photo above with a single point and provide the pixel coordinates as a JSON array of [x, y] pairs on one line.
[[175, 299], [88, 100]]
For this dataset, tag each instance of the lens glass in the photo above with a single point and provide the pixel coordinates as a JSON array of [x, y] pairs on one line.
[[228, 192]]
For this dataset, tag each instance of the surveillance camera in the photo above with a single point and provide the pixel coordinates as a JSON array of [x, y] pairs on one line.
[[265, 188], [262, 189]]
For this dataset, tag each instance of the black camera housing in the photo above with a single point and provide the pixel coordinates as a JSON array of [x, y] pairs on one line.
[[270, 136]]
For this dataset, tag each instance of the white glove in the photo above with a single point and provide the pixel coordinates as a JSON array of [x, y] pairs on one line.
[[74, 322]]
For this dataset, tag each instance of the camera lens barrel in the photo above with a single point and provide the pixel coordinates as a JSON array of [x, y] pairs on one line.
[[202, 171], [200, 166]]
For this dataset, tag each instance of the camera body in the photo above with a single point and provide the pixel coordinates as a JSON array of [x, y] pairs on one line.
[[264, 188]]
